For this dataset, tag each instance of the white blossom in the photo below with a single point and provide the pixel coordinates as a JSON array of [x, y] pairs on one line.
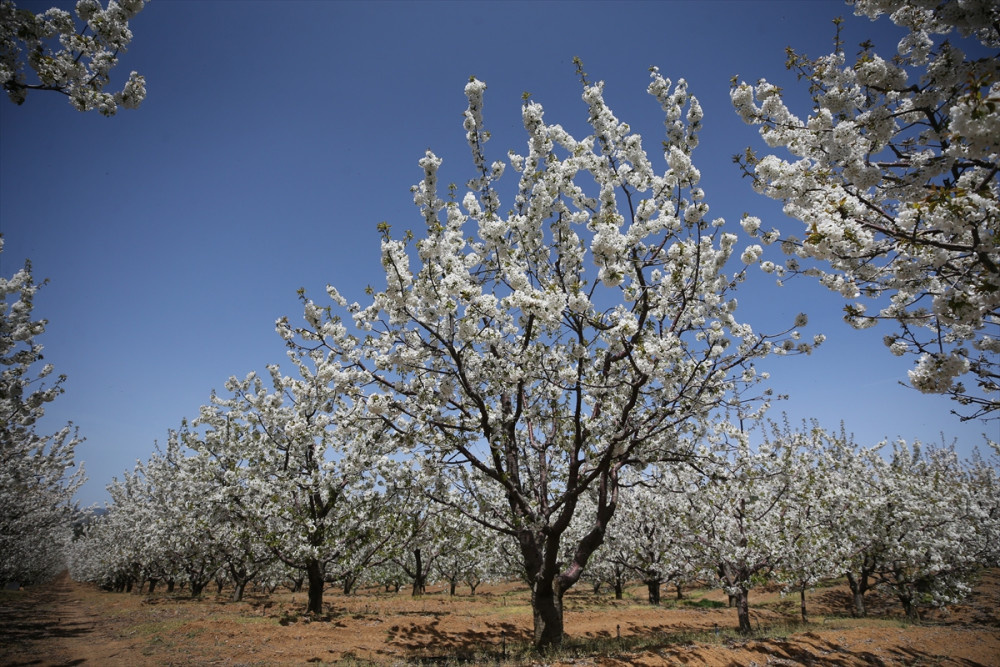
[[80, 68], [894, 176]]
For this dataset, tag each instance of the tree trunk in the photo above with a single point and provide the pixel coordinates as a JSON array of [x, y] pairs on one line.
[[451, 587], [197, 587], [547, 607], [858, 588], [619, 589], [152, 585], [314, 572], [472, 587], [802, 603], [419, 576], [540, 551], [909, 607], [743, 611], [680, 593], [170, 585], [653, 590], [241, 577], [238, 589]]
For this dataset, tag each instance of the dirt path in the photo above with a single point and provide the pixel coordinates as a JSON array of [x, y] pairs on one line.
[[36, 623]]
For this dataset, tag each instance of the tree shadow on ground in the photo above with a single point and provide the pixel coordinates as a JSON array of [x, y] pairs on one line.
[[37, 615], [811, 649], [427, 643]]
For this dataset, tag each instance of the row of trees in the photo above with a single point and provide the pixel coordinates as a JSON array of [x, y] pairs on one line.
[[37, 480], [38, 515], [803, 506], [807, 506], [531, 365]]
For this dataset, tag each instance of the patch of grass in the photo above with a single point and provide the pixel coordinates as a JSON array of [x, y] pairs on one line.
[[704, 604], [351, 660], [850, 622], [156, 644], [156, 627]]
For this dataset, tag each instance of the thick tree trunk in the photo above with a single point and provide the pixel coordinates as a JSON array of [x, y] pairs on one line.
[[858, 588], [197, 587], [619, 589], [547, 606], [680, 593], [802, 603], [653, 590], [743, 611], [419, 576], [549, 578], [314, 572], [170, 585], [906, 598], [238, 589], [152, 585], [241, 577]]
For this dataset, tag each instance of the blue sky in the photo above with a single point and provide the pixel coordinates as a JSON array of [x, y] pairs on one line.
[[277, 135]]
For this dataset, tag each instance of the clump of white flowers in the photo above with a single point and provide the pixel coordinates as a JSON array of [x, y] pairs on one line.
[[37, 480], [74, 62], [894, 175]]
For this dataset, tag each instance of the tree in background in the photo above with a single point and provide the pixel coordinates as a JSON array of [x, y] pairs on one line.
[[37, 482], [737, 514], [80, 67], [916, 528], [301, 469], [649, 537], [542, 351], [894, 176]]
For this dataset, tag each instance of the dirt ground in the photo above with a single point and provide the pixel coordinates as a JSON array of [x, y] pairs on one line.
[[68, 623]]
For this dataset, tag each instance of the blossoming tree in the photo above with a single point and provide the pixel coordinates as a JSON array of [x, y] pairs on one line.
[[649, 537], [80, 67], [894, 175], [37, 482], [918, 529], [298, 469], [737, 514], [538, 350]]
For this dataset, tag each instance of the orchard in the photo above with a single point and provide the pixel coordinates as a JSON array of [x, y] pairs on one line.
[[556, 383]]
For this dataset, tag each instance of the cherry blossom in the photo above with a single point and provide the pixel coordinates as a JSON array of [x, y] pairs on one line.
[[80, 66], [894, 175]]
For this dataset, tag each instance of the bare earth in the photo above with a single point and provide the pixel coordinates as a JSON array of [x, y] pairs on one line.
[[68, 623]]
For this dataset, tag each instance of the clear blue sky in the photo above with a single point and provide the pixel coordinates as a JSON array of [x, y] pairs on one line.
[[276, 135]]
